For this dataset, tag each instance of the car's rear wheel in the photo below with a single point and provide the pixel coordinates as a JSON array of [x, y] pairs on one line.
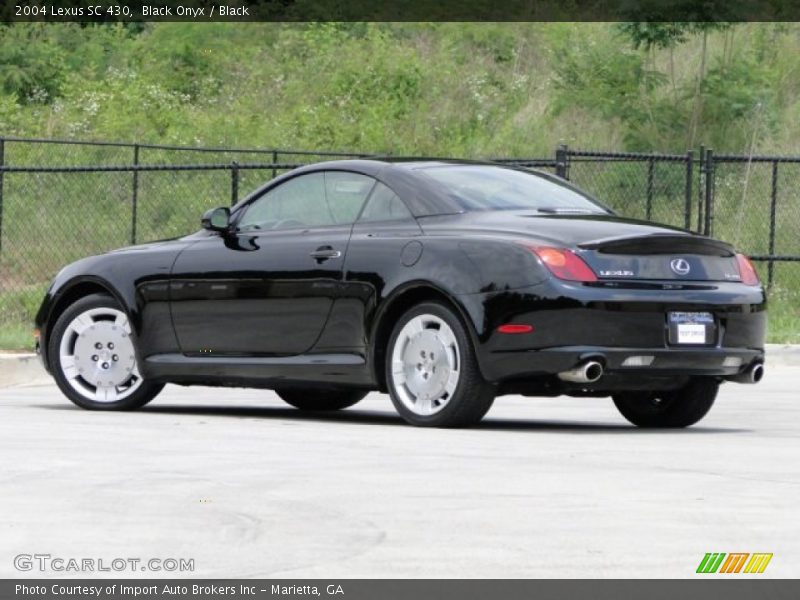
[[676, 408], [320, 399], [93, 357], [431, 370]]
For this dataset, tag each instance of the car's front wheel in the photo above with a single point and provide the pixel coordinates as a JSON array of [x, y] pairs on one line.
[[676, 408], [93, 357], [320, 399], [432, 372]]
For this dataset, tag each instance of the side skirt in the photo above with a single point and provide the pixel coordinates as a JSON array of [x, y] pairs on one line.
[[257, 371]]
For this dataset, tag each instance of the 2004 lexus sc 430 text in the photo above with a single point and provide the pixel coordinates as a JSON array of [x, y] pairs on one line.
[[443, 283]]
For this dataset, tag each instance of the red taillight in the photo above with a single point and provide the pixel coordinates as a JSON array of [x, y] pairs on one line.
[[746, 270], [515, 328], [564, 263]]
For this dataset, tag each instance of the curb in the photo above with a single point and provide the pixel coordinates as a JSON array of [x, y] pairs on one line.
[[783, 354], [17, 369]]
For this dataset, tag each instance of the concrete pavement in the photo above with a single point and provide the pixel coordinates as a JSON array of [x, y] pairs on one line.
[[248, 487]]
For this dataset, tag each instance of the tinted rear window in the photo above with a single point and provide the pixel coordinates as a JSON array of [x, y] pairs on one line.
[[481, 187]]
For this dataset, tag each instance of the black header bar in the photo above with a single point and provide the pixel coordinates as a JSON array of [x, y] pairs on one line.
[[99, 11]]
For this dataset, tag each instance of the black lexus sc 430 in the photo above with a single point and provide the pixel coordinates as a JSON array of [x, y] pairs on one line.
[[443, 283]]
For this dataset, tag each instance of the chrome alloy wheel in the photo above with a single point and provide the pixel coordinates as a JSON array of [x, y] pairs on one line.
[[97, 357], [425, 365]]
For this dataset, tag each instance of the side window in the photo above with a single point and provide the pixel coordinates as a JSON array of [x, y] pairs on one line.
[[384, 205], [300, 202], [313, 200], [345, 194]]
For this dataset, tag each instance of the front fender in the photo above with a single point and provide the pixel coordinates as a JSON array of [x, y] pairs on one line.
[[138, 278]]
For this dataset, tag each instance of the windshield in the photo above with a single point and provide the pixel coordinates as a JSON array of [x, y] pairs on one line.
[[484, 187]]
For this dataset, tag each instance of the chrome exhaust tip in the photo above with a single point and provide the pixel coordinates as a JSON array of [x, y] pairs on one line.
[[752, 375], [587, 372]]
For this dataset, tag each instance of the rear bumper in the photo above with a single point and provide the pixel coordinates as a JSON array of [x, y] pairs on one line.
[[571, 323], [721, 362]]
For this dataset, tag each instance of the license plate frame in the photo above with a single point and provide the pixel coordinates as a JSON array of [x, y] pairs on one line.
[[691, 328]]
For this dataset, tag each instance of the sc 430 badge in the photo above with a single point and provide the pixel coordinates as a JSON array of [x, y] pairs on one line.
[[618, 273]]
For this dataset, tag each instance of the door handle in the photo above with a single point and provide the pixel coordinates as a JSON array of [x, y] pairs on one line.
[[324, 253]]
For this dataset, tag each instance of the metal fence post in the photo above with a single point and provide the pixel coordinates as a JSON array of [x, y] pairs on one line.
[[709, 226], [651, 168], [2, 164], [135, 194], [234, 183], [274, 162], [772, 212], [701, 172], [562, 164], [687, 207]]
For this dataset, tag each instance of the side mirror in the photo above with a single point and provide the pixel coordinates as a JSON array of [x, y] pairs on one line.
[[216, 219]]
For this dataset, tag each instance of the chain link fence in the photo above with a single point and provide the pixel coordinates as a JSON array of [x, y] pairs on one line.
[[63, 200], [756, 207]]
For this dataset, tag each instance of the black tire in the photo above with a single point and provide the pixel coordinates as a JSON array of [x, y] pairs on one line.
[[678, 408], [143, 394], [472, 397], [320, 399]]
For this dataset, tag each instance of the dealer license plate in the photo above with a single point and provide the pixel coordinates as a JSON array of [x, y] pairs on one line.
[[691, 328]]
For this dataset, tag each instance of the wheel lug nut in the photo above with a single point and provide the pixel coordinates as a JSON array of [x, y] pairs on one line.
[[115, 358], [110, 345], [98, 345], [105, 365], [94, 357]]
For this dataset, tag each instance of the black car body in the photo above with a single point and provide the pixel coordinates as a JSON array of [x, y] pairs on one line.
[[541, 291]]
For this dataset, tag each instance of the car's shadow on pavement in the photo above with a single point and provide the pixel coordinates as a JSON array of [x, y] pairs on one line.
[[389, 418], [368, 417]]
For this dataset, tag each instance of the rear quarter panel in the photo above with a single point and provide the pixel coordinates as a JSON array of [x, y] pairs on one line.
[[384, 261]]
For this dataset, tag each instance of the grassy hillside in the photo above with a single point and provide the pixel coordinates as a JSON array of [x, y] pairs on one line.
[[446, 88]]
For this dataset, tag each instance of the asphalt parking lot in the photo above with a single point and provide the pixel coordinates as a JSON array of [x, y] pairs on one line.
[[543, 488]]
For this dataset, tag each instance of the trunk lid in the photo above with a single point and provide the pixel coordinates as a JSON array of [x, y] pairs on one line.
[[615, 248], [661, 256]]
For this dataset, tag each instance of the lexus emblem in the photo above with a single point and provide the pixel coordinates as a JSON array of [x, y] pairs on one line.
[[680, 266]]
